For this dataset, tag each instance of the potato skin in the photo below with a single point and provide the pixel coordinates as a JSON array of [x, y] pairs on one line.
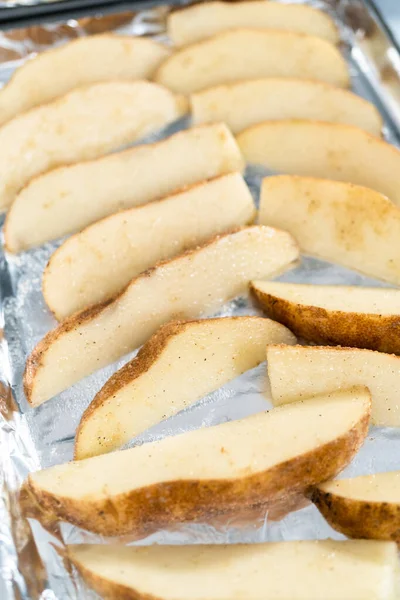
[[147, 509], [333, 327]]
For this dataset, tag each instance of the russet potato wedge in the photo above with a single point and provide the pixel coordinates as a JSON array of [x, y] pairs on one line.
[[251, 53], [67, 199], [83, 124], [361, 569], [336, 221], [328, 150], [246, 103], [194, 23], [180, 363], [192, 475], [340, 315], [187, 286], [297, 372], [83, 61], [97, 263], [363, 507]]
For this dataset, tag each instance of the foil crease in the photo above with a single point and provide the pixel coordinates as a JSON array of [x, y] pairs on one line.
[[32, 560]]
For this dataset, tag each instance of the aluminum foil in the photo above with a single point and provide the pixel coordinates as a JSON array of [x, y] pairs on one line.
[[31, 559]]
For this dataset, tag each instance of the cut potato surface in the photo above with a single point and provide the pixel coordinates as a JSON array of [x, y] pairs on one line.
[[250, 54], [364, 507], [194, 23], [335, 314], [86, 123], [100, 261], [67, 199], [185, 287], [246, 103], [332, 150], [255, 460], [180, 364], [298, 372], [81, 62], [339, 222], [360, 570]]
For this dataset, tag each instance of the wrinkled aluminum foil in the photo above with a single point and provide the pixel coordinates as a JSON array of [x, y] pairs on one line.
[[31, 559]]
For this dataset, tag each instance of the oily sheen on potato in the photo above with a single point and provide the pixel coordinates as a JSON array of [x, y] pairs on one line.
[[249, 54], [245, 103], [83, 61], [187, 286], [83, 124], [180, 364], [327, 150], [362, 507], [336, 221], [67, 199], [297, 372], [194, 23], [97, 263], [340, 315], [296, 570], [189, 476]]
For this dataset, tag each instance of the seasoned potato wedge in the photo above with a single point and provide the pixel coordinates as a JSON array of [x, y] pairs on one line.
[[298, 372], [340, 315], [194, 23], [192, 475], [82, 61], [182, 362], [97, 263], [363, 507], [246, 103], [86, 123], [187, 286], [67, 199], [282, 570], [250, 53], [331, 150], [339, 222]]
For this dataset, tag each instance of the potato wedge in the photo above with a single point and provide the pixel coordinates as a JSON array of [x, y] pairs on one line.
[[86, 123], [192, 284], [296, 570], [246, 103], [189, 476], [250, 53], [297, 372], [97, 263], [67, 199], [82, 61], [339, 222], [331, 150], [180, 363], [364, 507], [340, 315]]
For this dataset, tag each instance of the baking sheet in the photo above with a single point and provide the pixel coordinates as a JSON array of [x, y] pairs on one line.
[[31, 559]]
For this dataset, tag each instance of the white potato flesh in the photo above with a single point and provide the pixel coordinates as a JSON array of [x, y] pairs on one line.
[[379, 487], [187, 361], [360, 569], [328, 150], [301, 371], [67, 199], [83, 124], [97, 263], [336, 221], [83, 61], [188, 286], [246, 103], [250, 54]]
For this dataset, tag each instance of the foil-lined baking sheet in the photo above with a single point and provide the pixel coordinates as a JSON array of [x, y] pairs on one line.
[[32, 564]]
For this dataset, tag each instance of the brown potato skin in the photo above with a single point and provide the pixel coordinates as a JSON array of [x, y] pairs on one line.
[[333, 327], [163, 504]]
